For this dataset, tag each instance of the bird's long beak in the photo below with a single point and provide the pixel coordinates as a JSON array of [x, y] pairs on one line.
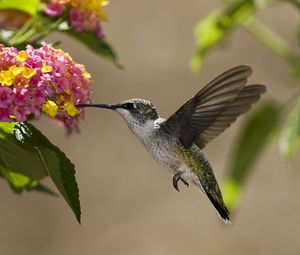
[[105, 106]]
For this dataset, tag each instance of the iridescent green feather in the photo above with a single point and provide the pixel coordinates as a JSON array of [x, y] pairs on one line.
[[196, 161]]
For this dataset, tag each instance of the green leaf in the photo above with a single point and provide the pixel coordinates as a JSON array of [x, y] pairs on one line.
[[17, 157], [27, 156], [44, 189], [57, 165], [290, 136], [93, 42], [18, 182], [216, 27], [29, 6], [253, 138], [295, 70], [19, 165]]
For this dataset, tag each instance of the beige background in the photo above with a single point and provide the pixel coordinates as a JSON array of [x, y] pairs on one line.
[[128, 203]]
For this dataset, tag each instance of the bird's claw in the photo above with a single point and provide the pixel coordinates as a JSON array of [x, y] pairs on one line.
[[176, 178]]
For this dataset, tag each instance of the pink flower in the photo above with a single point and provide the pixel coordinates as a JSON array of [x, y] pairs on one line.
[[83, 15], [42, 80], [21, 96], [99, 30], [6, 97], [54, 9], [5, 114], [76, 19], [33, 61], [21, 112], [38, 95]]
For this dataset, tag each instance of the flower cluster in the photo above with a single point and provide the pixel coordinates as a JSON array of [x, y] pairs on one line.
[[84, 15], [44, 79]]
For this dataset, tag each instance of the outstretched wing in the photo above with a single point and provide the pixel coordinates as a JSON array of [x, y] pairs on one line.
[[214, 108]]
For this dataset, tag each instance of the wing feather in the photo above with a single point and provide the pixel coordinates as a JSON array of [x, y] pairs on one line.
[[214, 108]]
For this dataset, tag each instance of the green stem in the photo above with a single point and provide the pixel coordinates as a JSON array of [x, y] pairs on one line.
[[270, 39], [23, 38], [29, 30], [20, 33], [47, 31]]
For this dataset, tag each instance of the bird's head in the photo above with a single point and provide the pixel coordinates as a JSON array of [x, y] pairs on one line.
[[136, 112]]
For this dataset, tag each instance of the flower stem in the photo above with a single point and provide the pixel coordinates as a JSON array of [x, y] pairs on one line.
[[47, 31], [270, 39], [24, 37], [17, 37]]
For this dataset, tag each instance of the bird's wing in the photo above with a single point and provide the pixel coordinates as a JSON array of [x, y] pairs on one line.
[[214, 108]]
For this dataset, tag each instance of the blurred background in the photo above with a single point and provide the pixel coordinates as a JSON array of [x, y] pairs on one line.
[[129, 205]]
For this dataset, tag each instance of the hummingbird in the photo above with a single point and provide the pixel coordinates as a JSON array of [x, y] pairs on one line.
[[177, 142]]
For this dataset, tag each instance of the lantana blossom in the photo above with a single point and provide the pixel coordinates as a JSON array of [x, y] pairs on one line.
[[42, 80], [83, 15]]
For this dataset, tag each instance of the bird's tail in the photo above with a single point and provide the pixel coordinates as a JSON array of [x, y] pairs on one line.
[[216, 199], [204, 179], [208, 184], [220, 207]]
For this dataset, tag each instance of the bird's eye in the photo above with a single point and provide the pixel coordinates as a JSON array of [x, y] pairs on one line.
[[128, 106]]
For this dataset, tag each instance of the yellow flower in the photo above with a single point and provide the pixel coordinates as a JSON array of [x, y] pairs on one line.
[[22, 55], [28, 72], [87, 75], [16, 70], [71, 109], [7, 77], [50, 108], [46, 69], [91, 6]]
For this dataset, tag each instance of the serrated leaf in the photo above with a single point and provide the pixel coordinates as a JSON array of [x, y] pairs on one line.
[[254, 136], [28, 6], [290, 136], [215, 28], [58, 166]]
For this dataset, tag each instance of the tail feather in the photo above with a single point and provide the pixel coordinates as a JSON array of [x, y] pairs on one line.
[[203, 177], [221, 208]]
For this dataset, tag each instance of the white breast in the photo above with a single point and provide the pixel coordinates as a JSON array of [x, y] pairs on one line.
[[161, 149], [145, 132]]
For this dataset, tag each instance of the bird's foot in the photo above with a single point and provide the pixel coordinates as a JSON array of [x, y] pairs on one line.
[[178, 177]]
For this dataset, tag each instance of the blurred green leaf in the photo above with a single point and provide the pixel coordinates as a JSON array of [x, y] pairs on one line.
[[18, 182], [93, 42], [253, 138], [57, 165], [295, 71], [44, 189], [29, 6], [290, 136], [213, 29]]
